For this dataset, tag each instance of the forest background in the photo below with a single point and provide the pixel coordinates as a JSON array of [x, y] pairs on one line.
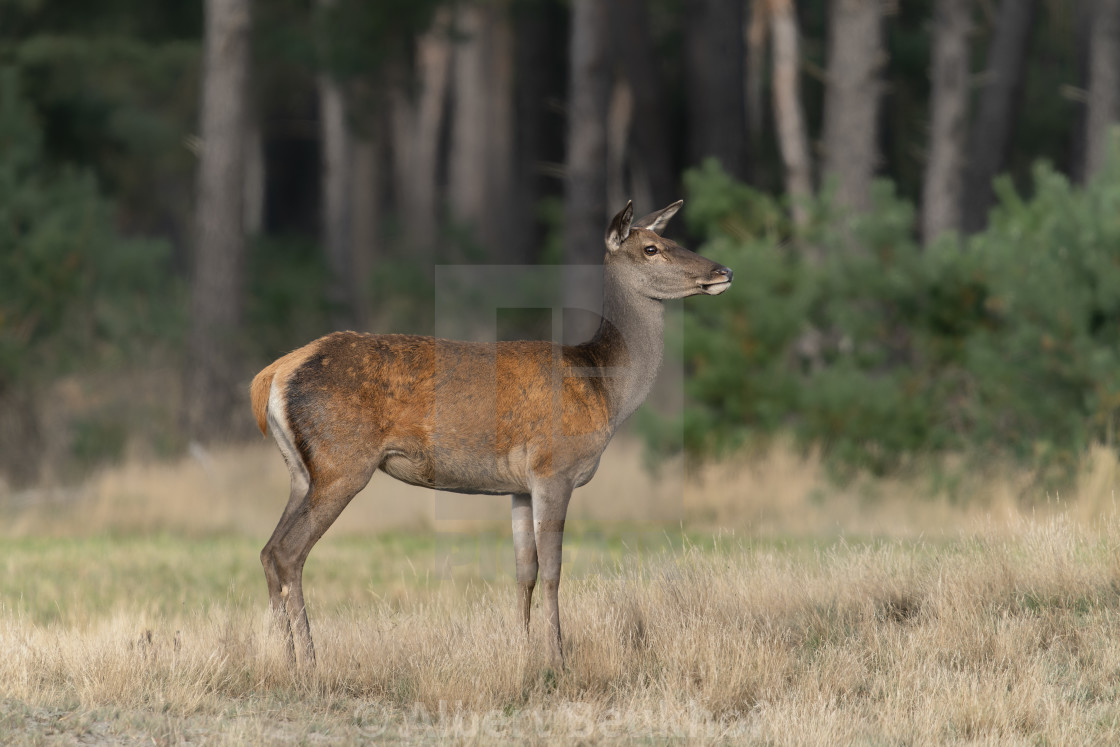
[[916, 198], [873, 496]]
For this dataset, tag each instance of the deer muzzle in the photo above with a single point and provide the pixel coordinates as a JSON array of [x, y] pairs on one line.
[[719, 281]]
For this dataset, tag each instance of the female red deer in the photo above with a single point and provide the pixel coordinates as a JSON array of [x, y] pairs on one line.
[[526, 418]]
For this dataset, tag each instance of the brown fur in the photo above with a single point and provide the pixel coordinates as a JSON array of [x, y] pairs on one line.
[[351, 397], [258, 394], [530, 419]]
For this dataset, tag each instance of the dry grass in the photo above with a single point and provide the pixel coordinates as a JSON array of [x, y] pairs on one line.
[[778, 493], [992, 640], [243, 489], [857, 615]]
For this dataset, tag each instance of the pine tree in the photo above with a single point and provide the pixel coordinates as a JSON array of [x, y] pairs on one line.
[[70, 288]]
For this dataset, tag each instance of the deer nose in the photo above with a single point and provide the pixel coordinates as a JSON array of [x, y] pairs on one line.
[[725, 271]]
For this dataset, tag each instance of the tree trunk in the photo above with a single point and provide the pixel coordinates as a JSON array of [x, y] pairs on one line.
[[856, 56], [1104, 82], [995, 120], [254, 178], [365, 220], [788, 115], [755, 35], [21, 435], [214, 373], [585, 175], [481, 167], [589, 87], [715, 83], [649, 131], [621, 185], [1083, 20], [418, 120], [336, 163], [941, 194], [540, 55]]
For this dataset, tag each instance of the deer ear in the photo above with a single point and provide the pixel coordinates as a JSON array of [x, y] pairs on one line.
[[657, 221], [619, 228]]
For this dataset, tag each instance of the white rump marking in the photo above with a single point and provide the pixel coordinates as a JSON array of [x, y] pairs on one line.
[[285, 439]]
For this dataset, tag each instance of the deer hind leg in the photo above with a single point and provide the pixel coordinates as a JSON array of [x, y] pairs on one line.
[[297, 498], [313, 505], [525, 552], [298, 531], [276, 585], [550, 506]]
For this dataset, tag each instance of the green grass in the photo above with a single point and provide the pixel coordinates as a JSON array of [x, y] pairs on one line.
[[74, 579]]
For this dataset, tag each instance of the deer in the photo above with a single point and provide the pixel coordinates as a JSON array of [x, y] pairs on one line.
[[526, 418]]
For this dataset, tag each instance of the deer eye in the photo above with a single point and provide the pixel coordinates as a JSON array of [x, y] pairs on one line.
[[651, 250]]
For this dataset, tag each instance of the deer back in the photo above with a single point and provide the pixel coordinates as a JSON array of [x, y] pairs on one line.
[[468, 416]]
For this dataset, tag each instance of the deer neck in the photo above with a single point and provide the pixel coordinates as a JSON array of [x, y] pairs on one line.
[[629, 345]]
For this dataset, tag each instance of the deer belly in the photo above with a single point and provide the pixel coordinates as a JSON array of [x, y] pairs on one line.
[[458, 473]]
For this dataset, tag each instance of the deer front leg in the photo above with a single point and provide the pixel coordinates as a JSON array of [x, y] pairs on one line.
[[525, 552], [550, 506]]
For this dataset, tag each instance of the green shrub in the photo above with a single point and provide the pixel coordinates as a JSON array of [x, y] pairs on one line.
[[850, 335], [73, 294]]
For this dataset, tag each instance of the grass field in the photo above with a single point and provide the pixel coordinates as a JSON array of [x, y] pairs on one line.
[[776, 610]]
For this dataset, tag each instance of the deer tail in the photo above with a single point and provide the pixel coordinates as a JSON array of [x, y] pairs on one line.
[[259, 391]]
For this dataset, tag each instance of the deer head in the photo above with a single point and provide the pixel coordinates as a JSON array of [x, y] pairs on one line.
[[656, 267]]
